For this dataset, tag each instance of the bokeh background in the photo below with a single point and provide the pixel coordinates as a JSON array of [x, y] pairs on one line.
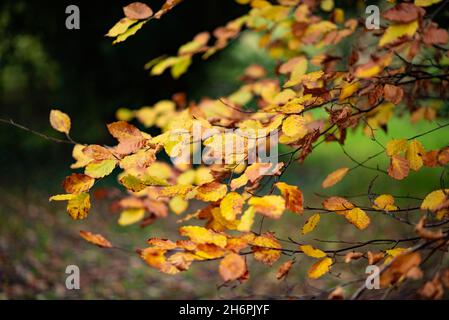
[[44, 66]]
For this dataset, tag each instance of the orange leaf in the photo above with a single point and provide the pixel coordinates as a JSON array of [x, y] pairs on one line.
[[334, 177], [96, 239]]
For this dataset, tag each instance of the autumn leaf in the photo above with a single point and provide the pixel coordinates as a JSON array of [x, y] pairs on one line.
[[232, 267], [310, 224], [131, 216], [96, 239], [100, 169], [426, 3], [358, 218], [319, 268], [404, 13], [396, 147], [270, 206], [414, 154], [137, 11], [284, 269], [203, 235], [399, 267], [399, 167], [393, 93], [60, 121], [337, 204], [396, 31], [385, 202], [231, 206], [213, 191], [266, 249], [334, 177], [428, 234], [78, 205], [293, 197], [77, 183], [312, 252]]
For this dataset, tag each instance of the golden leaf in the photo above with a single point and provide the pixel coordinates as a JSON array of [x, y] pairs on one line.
[[284, 269], [211, 192], [232, 267], [203, 235], [312, 252], [60, 121], [396, 146], [100, 169], [77, 183], [231, 206], [310, 224], [319, 268], [96, 239], [78, 205], [293, 197], [396, 31], [358, 218], [266, 249], [385, 202], [334, 177], [414, 154], [131, 216], [270, 206]]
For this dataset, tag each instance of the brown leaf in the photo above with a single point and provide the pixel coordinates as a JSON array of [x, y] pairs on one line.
[[137, 11], [353, 256], [434, 35], [432, 289], [337, 294], [399, 167], [374, 258], [404, 13], [400, 266], [77, 183], [393, 93], [284, 269], [426, 233]]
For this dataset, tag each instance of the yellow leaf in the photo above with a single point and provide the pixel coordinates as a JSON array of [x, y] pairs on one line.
[[60, 121], [327, 5], [270, 206], [100, 169], [78, 205], [247, 220], [396, 31], [131, 216], [96, 239], [176, 190], [319, 268], [132, 183], [178, 205], [120, 27], [334, 177], [434, 199], [312, 252], [311, 224], [414, 154], [129, 32], [294, 126], [358, 218], [231, 206], [293, 197], [385, 202], [203, 235], [266, 249], [348, 90], [232, 267], [396, 146], [81, 159], [239, 182], [426, 3], [211, 192]]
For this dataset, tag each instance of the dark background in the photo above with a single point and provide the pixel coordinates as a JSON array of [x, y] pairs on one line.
[[44, 66]]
